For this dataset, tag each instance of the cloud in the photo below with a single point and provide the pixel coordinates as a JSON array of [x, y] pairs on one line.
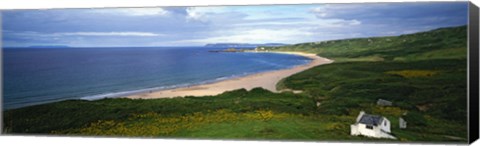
[[213, 14], [130, 34], [253, 36], [302, 22], [337, 10], [189, 26], [134, 11], [375, 19], [355, 22], [140, 34], [146, 11], [193, 14], [81, 39], [375, 11]]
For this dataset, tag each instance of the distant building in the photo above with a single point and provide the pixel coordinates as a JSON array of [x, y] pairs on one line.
[[371, 126], [259, 49], [402, 123], [382, 102]]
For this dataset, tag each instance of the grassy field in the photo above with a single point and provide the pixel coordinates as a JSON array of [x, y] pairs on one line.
[[423, 74]]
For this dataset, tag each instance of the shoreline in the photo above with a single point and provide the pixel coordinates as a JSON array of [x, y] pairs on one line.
[[267, 80]]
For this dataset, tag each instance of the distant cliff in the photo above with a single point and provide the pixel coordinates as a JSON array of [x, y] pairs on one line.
[[244, 45]]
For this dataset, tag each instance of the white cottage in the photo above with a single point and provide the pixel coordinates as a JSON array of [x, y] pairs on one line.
[[371, 126]]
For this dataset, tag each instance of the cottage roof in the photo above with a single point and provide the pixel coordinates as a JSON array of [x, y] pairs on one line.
[[371, 119]]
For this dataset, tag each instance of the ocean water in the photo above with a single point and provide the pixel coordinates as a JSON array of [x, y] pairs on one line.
[[34, 76]]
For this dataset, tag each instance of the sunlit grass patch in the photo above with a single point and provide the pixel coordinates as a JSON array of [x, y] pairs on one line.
[[372, 58], [413, 73]]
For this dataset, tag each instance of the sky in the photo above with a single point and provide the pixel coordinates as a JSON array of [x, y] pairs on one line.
[[197, 26]]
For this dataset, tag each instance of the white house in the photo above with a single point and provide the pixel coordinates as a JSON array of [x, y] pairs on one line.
[[371, 126], [402, 123]]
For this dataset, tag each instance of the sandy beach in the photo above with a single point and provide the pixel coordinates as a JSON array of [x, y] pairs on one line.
[[266, 80]]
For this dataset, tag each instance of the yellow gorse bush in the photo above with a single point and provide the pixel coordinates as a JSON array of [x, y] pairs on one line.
[[153, 124], [388, 110], [336, 127]]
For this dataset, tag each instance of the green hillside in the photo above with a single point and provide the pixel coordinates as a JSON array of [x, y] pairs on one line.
[[423, 74], [443, 43]]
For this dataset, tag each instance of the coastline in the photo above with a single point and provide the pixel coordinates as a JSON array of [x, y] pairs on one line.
[[266, 80]]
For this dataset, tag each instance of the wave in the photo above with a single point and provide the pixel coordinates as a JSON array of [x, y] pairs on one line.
[[132, 92]]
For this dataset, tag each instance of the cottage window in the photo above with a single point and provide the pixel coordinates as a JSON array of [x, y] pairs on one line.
[[369, 127], [385, 123]]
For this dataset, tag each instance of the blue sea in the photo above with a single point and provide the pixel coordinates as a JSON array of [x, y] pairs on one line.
[[41, 75]]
